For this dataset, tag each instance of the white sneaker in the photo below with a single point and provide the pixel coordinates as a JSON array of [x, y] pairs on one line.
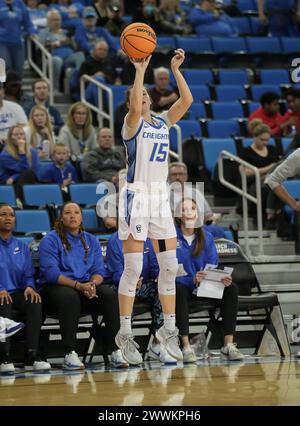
[[7, 367], [231, 352], [10, 327], [117, 359], [72, 362], [159, 353], [189, 355], [129, 348], [38, 366], [169, 339]]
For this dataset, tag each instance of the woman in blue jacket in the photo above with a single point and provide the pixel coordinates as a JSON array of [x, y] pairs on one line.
[[18, 293], [146, 288], [196, 249], [19, 163], [72, 274], [14, 22]]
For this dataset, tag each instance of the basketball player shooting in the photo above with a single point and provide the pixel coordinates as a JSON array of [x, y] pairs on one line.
[[146, 139]]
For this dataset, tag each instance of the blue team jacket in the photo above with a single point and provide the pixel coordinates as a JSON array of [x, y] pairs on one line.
[[193, 264], [115, 260], [85, 39], [55, 260], [16, 268], [14, 22], [55, 174], [10, 167]]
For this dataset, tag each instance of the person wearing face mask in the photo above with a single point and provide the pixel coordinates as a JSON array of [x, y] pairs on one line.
[[18, 293], [72, 274], [196, 249], [19, 163]]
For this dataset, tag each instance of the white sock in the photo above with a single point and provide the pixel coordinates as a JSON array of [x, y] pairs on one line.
[[125, 324], [169, 321]]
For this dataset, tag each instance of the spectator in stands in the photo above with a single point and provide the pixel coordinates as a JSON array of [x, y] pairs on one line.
[[13, 88], [39, 133], [70, 11], [87, 35], [100, 64], [40, 90], [162, 95], [61, 171], [269, 113], [61, 46], [148, 13], [78, 134], [291, 119], [19, 163], [37, 13], [146, 288], [195, 250], [104, 162], [264, 157], [72, 274], [14, 23], [281, 15], [11, 114], [172, 18], [209, 20], [18, 293]]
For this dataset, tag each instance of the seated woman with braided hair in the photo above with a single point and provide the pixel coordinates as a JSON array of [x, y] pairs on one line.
[[72, 274]]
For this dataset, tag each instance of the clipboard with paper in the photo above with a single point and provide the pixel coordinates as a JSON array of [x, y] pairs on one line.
[[212, 285]]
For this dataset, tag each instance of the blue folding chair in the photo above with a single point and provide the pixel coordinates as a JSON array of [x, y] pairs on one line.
[[224, 110], [243, 25], [197, 77], [228, 45], [196, 111], [253, 106], [289, 45], [189, 128], [89, 219], [233, 77], [87, 193], [193, 44], [275, 77], [7, 195], [32, 221], [249, 141], [212, 149], [41, 195], [228, 93], [200, 92], [223, 128], [257, 90]]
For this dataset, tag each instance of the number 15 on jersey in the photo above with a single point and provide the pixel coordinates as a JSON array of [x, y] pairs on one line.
[[159, 152]]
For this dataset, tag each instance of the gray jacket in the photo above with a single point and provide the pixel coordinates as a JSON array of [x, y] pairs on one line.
[[290, 167], [99, 164], [74, 144]]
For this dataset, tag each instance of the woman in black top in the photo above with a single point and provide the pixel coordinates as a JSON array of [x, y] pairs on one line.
[[264, 157]]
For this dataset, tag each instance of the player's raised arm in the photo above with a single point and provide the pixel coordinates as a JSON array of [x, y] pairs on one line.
[[136, 93], [180, 107]]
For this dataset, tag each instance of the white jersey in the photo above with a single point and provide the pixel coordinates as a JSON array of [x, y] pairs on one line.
[[147, 154]]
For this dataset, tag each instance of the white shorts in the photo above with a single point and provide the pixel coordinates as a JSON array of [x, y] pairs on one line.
[[145, 215]]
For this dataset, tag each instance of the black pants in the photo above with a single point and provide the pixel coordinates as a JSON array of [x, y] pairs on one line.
[[228, 305], [33, 319], [27, 177], [69, 304]]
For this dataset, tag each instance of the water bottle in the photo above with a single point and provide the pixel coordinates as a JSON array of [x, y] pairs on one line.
[[200, 346], [46, 149]]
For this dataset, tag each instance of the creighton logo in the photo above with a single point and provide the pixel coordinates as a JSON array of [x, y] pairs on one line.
[[138, 228]]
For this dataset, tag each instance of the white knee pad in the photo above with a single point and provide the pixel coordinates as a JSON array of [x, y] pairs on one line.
[[133, 265], [168, 267]]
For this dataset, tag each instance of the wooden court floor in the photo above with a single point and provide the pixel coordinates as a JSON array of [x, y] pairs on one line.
[[256, 381]]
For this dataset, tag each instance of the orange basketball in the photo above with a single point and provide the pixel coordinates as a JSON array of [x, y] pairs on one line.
[[138, 40]]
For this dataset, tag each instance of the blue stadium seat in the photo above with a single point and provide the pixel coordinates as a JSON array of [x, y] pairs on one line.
[[89, 218], [26, 240], [164, 41], [253, 106], [224, 110], [189, 128], [197, 77], [228, 45], [248, 141], [275, 77], [261, 45], [226, 93], [285, 143], [222, 128], [246, 5], [290, 45], [118, 95], [7, 195], [233, 77], [86, 193], [193, 44], [32, 221], [212, 149], [257, 90], [242, 24], [257, 27], [293, 188], [40, 195], [197, 110], [200, 92]]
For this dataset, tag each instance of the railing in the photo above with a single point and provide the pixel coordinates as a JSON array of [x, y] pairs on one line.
[[102, 115], [243, 192], [46, 71]]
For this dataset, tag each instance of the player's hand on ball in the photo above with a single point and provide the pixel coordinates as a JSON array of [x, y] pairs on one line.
[[177, 59], [141, 64]]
